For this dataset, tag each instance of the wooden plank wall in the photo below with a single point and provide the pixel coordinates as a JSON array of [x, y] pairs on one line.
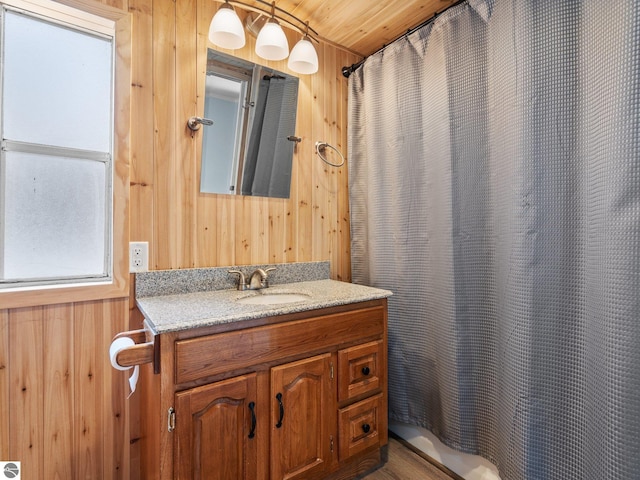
[[63, 409], [64, 413], [185, 228]]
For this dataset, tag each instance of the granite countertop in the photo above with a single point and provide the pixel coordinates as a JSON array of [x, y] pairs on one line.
[[170, 313]]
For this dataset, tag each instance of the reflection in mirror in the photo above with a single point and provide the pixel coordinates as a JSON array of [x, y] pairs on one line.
[[253, 108]]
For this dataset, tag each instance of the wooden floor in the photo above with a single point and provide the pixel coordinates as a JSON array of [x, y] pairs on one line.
[[404, 464]]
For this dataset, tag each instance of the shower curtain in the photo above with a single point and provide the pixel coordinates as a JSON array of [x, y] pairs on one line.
[[494, 175]]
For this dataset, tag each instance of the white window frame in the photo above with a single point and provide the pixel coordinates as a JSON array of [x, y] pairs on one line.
[[101, 21]]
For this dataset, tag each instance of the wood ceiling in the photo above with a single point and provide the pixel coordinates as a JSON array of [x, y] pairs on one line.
[[362, 26]]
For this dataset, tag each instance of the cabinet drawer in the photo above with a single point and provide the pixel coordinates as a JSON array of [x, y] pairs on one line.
[[359, 426], [360, 369], [224, 352]]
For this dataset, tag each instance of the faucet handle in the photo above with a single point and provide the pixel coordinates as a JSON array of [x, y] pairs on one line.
[[263, 278], [242, 281], [266, 271]]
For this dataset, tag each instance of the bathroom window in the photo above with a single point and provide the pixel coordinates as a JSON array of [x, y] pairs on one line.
[[56, 159]]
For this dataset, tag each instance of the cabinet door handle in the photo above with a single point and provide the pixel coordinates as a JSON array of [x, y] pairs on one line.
[[279, 398], [252, 407], [366, 427], [366, 371]]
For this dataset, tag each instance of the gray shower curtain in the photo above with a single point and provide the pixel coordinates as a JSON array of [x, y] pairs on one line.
[[494, 173]]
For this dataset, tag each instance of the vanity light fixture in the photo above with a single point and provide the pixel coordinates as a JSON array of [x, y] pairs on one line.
[[226, 31], [226, 28], [303, 58], [272, 43]]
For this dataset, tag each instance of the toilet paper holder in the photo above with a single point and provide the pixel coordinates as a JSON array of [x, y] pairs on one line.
[[144, 350]]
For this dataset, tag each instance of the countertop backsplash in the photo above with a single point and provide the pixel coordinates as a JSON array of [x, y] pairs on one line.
[[171, 282]]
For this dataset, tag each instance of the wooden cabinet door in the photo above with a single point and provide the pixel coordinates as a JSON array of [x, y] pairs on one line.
[[302, 402], [215, 437]]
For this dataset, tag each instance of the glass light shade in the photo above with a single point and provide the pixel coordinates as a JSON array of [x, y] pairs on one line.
[[303, 58], [272, 42], [226, 29]]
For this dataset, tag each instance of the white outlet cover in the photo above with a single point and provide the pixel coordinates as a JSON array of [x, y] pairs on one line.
[[138, 257]]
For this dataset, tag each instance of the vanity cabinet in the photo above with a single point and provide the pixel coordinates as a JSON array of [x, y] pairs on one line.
[[294, 396]]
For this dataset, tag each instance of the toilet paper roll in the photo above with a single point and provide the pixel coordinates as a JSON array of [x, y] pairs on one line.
[[116, 347]]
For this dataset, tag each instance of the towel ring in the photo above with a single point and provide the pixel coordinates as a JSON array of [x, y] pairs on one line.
[[321, 148]]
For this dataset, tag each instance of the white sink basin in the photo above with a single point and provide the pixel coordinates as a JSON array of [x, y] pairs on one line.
[[273, 298]]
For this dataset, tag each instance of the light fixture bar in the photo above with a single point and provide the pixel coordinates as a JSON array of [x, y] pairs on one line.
[[302, 28]]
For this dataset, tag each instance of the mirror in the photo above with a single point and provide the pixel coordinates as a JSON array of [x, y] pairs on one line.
[[249, 148]]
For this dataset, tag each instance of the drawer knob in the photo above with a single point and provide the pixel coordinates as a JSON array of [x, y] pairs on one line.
[[366, 371], [366, 428]]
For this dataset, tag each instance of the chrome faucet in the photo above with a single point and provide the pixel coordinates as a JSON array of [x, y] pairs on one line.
[[258, 279]]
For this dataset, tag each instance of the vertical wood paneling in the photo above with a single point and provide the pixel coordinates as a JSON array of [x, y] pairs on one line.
[[141, 192], [26, 395], [206, 204], [331, 105], [225, 230], [4, 384], [276, 231], [89, 366], [142, 126], [187, 185], [115, 414], [259, 218], [58, 377], [291, 220], [64, 408], [136, 403], [167, 197], [319, 199], [307, 105], [343, 253], [242, 233], [66, 415]]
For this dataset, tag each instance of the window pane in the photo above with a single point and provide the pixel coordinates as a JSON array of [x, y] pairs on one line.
[[54, 217], [57, 85]]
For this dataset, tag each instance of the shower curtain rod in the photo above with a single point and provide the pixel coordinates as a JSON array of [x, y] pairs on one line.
[[348, 70]]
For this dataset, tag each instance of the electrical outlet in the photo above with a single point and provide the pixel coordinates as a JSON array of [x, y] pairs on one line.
[[138, 257]]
